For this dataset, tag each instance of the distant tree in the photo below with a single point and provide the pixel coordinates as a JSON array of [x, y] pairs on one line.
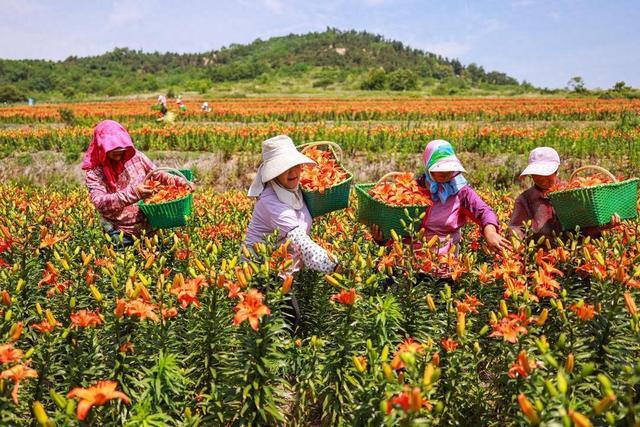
[[526, 85], [621, 87], [457, 67], [497, 78], [576, 84], [374, 80], [9, 93], [403, 80]]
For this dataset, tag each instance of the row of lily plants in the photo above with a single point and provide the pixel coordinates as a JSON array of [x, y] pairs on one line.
[[177, 330], [589, 141]]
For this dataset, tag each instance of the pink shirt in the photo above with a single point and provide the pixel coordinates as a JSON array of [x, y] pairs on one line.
[[119, 208], [445, 219], [534, 205], [270, 214]]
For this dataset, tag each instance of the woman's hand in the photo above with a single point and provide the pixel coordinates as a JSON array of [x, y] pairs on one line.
[[376, 233], [495, 241], [615, 220], [144, 191]]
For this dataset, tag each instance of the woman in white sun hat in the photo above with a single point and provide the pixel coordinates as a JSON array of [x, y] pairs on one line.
[[280, 206]]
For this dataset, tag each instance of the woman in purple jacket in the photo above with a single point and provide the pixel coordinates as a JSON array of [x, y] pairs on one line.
[[454, 202]]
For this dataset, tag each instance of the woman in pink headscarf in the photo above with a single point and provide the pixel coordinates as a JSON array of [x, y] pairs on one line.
[[115, 179]]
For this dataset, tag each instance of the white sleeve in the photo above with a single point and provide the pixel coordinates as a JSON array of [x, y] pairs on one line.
[[313, 256]]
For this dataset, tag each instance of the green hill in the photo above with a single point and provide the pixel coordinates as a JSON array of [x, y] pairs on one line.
[[330, 60]]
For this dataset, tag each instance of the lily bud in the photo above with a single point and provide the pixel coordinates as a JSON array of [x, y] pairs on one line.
[[528, 410], [40, 414], [568, 364]]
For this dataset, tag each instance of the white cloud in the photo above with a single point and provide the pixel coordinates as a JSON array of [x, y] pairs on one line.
[[376, 2], [447, 48], [126, 12], [15, 7], [521, 3], [275, 6]]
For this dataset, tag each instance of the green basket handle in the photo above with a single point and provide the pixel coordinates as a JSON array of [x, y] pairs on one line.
[[388, 175], [596, 168], [336, 147], [166, 169]]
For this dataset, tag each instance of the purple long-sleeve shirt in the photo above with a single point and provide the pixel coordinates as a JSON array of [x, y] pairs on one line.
[[446, 219]]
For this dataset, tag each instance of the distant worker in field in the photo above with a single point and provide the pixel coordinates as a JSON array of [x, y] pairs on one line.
[[115, 178], [162, 101], [181, 105], [205, 107], [534, 204]]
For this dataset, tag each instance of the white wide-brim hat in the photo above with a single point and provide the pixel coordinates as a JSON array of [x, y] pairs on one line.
[[279, 154], [449, 164], [543, 161]]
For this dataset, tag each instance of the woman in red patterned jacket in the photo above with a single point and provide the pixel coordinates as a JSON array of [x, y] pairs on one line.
[[115, 178]]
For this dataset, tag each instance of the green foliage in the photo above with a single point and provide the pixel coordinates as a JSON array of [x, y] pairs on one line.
[[9, 93], [67, 116], [124, 71], [576, 84], [403, 80], [374, 80]]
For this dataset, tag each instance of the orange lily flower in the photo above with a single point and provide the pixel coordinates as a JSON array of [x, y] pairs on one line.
[[484, 276], [346, 297], [45, 326], [449, 345], [9, 354], [187, 293], [545, 284], [141, 309], [584, 311], [402, 191], [523, 366], [469, 305], [407, 346], [49, 275], [168, 313], [84, 319], [510, 327], [250, 308], [410, 400], [17, 373], [96, 395]]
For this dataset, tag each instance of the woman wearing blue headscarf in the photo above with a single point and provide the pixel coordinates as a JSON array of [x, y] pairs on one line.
[[454, 202]]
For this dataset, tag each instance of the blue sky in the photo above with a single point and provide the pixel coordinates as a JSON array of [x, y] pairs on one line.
[[543, 42]]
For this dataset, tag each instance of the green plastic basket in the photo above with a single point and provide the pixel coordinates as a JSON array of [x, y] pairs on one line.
[[334, 198], [188, 173], [594, 206], [167, 214], [372, 211]]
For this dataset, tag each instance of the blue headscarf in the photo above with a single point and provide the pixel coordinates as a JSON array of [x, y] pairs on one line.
[[436, 152]]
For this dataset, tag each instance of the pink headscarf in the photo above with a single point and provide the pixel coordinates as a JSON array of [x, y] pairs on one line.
[[107, 136]]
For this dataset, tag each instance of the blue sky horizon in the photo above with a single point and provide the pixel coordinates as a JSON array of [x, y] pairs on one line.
[[543, 42]]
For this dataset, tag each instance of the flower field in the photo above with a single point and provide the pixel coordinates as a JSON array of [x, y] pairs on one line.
[[340, 109], [376, 137], [175, 330]]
